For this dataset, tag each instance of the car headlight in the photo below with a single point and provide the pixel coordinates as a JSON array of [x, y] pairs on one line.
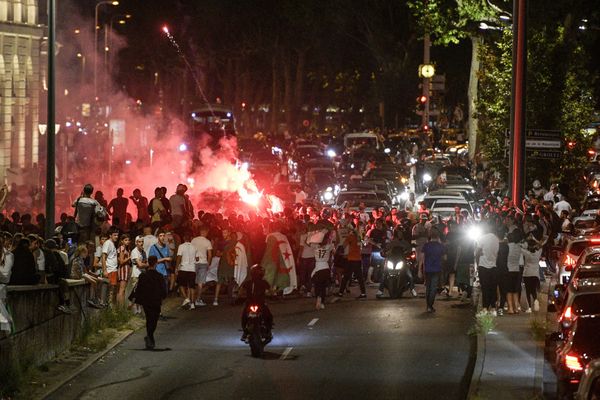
[[427, 178], [328, 195], [389, 265], [399, 265]]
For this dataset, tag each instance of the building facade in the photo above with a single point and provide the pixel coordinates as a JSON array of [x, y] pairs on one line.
[[21, 83]]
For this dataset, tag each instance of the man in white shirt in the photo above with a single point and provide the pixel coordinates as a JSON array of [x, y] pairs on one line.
[[204, 248], [562, 205], [553, 194], [110, 263], [486, 254], [148, 238], [187, 257], [300, 196]]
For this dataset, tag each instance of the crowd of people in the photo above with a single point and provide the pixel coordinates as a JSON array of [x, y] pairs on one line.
[[305, 250]]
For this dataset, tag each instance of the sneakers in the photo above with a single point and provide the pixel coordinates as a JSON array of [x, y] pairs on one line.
[[362, 296], [536, 306], [185, 302], [379, 293], [244, 337], [216, 302], [192, 306], [413, 292], [64, 309], [528, 311], [199, 303], [340, 294], [430, 310], [149, 343], [322, 306], [494, 313], [308, 294], [500, 312]]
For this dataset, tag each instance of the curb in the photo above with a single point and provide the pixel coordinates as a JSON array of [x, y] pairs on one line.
[[478, 368], [116, 341]]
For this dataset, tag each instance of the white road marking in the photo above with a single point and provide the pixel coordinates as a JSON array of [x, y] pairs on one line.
[[286, 352], [313, 322]]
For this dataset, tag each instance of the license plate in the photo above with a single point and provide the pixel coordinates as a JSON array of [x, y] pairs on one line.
[[252, 315]]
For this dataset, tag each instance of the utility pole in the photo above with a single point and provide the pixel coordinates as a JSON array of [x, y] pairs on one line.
[[518, 103], [426, 61], [51, 127]]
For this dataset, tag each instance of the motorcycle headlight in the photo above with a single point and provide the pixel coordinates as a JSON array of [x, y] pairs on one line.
[[399, 265], [426, 178], [389, 265], [328, 196]]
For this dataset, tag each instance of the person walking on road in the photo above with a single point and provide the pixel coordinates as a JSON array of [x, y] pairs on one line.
[[149, 293], [434, 253], [486, 255]]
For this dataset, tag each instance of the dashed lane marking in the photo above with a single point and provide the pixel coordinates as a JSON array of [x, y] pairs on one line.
[[313, 322], [286, 353]]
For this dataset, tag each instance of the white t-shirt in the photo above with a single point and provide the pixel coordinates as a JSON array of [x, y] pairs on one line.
[[532, 263], [307, 250], [323, 254], [40, 261], [110, 250], [189, 255], [136, 255], [202, 245], [489, 245], [149, 241], [562, 205], [514, 257]]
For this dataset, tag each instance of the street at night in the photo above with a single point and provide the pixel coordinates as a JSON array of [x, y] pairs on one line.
[[386, 349], [316, 199]]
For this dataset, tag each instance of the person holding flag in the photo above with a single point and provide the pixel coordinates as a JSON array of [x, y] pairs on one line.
[[278, 261]]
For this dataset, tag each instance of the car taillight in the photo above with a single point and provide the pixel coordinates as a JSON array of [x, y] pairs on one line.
[[572, 362], [567, 315], [569, 263], [254, 308], [413, 255]]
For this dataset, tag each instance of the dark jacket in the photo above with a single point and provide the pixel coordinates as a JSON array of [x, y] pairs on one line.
[[150, 290], [24, 269]]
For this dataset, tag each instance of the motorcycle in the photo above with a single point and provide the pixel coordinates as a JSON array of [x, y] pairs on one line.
[[399, 270], [258, 333]]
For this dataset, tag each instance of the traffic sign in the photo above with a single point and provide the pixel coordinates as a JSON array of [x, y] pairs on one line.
[[544, 154], [543, 144], [543, 134]]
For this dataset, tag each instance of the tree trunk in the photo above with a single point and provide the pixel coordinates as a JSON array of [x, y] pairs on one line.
[[476, 41], [288, 92], [299, 91], [274, 109]]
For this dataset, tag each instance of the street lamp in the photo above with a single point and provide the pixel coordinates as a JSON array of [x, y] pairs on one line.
[[122, 19], [82, 58], [96, 27]]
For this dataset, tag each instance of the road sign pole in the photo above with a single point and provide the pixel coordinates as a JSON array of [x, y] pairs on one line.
[[517, 122], [51, 127]]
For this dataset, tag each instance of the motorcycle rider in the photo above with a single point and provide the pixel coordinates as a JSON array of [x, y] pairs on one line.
[[255, 290], [397, 247]]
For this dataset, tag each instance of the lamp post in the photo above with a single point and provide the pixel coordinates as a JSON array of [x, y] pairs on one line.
[[50, 138], [107, 43], [96, 27]]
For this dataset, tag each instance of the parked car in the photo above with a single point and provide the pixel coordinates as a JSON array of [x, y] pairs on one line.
[[589, 385], [573, 355]]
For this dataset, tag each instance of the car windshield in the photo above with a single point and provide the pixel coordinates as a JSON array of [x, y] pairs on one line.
[[585, 224], [593, 258], [577, 247], [588, 273]]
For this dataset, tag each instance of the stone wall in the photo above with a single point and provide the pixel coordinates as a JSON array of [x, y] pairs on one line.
[[41, 331]]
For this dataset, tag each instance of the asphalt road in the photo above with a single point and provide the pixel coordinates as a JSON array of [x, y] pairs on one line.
[[373, 349]]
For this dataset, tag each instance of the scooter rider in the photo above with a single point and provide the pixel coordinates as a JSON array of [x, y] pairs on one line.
[[255, 290], [398, 246]]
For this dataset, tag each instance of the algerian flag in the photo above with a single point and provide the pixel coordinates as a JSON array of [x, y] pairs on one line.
[[241, 264], [278, 263]]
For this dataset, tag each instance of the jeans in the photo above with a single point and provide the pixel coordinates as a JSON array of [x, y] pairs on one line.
[[488, 280], [431, 283]]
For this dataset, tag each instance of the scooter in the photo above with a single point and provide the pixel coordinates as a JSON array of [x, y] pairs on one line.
[[258, 334], [398, 274]]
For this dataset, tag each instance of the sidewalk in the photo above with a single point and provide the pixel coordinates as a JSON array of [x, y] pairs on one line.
[[510, 361]]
